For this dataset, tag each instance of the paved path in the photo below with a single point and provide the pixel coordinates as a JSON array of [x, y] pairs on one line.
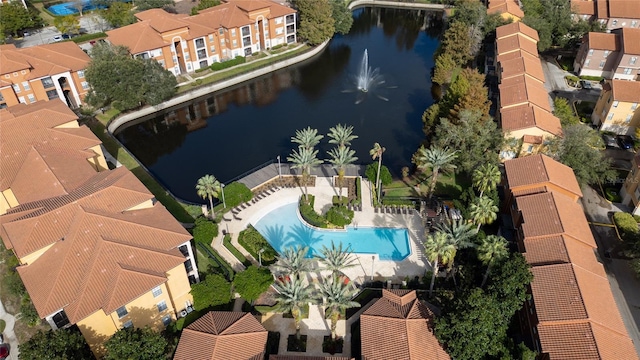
[[9, 335]]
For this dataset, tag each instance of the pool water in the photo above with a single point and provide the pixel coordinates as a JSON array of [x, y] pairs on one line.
[[70, 8], [282, 228]]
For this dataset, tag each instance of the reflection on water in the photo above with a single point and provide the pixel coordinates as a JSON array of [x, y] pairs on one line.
[[230, 132]]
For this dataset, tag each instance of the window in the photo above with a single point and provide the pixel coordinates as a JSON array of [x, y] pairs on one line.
[[122, 312], [628, 119], [610, 116], [615, 103], [16, 88], [586, 63], [7, 76], [23, 72], [221, 41], [590, 52], [204, 64], [633, 60], [290, 29], [627, 71], [80, 73], [200, 43], [166, 320], [246, 31], [290, 18], [210, 37], [15, 74], [246, 41], [235, 43], [186, 56], [32, 98], [52, 94], [161, 62], [530, 149], [213, 49], [233, 32], [85, 85], [21, 99], [47, 82], [221, 31], [634, 106], [144, 55], [279, 31], [202, 53], [634, 23], [606, 53], [614, 22], [162, 306], [26, 85], [127, 325], [278, 21], [157, 291], [601, 64]]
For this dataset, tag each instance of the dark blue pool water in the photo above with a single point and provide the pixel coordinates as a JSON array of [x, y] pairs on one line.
[[70, 8], [230, 132]]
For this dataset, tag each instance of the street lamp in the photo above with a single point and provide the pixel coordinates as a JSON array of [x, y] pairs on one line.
[[260, 256], [373, 259], [224, 204], [279, 168]]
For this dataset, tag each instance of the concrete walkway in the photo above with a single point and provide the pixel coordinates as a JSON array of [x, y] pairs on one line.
[[9, 335]]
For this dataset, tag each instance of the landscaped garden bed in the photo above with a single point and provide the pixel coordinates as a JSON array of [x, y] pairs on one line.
[[297, 345], [332, 346]]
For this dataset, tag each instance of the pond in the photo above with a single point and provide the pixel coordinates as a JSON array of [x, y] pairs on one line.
[[230, 132]]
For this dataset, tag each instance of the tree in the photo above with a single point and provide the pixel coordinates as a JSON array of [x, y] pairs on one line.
[[459, 233], [316, 23], [142, 5], [336, 258], [580, 149], [208, 187], [159, 84], [204, 230], [435, 159], [293, 261], [252, 282], [336, 296], [292, 295], [307, 138], [439, 250], [554, 22], [67, 24], [563, 111], [340, 158], [457, 43], [444, 68], [118, 14], [376, 153], [483, 211], [341, 135], [204, 4], [140, 344], [493, 248], [214, 290], [486, 177], [15, 18], [304, 159], [342, 16], [371, 172], [61, 344], [78, 5], [509, 281]]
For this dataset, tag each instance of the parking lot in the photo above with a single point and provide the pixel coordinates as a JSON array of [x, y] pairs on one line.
[[89, 24]]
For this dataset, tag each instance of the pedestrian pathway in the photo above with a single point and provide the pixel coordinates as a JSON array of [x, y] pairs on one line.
[[9, 334]]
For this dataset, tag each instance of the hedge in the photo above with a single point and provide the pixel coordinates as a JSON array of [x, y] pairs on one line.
[[591, 78], [572, 78], [252, 241], [339, 215], [227, 243], [627, 225], [229, 63], [204, 231], [358, 200], [236, 193], [88, 37], [309, 215]]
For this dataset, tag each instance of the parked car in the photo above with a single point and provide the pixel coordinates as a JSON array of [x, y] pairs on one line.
[[57, 38], [625, 141], [4, 351], [586, 84], [610, 141]]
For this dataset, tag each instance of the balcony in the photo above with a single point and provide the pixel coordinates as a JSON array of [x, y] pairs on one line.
[[291, 29], [290, 19]]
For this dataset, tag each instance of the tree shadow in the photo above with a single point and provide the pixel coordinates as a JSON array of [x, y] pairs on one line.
[[276, 237], [304, 236]]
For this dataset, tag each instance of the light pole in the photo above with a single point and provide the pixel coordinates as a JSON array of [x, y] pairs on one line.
[[279, 168], [224, 204], [260, 256], [373, 259]]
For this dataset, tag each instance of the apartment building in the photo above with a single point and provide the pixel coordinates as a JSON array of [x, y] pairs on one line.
[[617, 107], [630, 191], [43, 73], [530, 124], [610, 55], [572, 313], [95, 247], [184, 44], [507, 9], [614, 14]]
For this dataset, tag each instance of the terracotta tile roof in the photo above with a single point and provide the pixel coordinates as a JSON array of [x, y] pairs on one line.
[[516, 54], [525, 117], [515, 28], [522, 90], [399, 326], [631, 40], [223, 335], [626, 91], [302, 357], [561, 249], [43, 60], [550, 214], [137, 37], [624, 9], [531, 139], [505, 7], [522, 65], [602, 9], [45, 222], [516, 42], [603, 41], [161, 21], [584, 7], [537, 170], [103, 262], [25, 128]]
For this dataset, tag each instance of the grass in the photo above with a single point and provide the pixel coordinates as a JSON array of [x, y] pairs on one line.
[[46, 17], [107, 116], [227, 243], [3, 324], [241, 69], [182, 212], [566, 63]]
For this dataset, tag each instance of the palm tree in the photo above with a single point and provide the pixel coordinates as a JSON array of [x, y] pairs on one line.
[[341, 135], [486, 177], [335, 258], [459, 233], [208, 187], [492, 248], [337, 297], [340, 158], [436, 159], [292, 295], [293, 261], [307, 138], [304, 159], [483, 211], [439, 249], [376, 153]]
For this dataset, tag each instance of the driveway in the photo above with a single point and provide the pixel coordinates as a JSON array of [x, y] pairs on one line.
[[91, 23]]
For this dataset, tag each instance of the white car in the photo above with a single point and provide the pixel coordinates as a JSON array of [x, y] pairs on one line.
[[57, 38]]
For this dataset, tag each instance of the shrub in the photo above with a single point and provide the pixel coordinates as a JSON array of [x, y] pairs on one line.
[[612, 195], [385, 175], [13, 284], [236, 193], [252, 282], [339, 215], [627, 225], [335, 200], [28, 312], [591, 78], [214, 290], [309, 215], [635, 266], [358, 191], [205, 230], [88, 37], [229, 63], [252, 241]]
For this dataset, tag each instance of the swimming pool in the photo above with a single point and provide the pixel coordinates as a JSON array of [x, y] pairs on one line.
[[282, 228], [70, 8]]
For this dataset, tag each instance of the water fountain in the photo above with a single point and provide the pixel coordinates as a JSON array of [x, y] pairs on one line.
[[367, 79]]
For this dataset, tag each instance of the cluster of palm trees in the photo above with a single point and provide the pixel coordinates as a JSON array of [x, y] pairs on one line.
[[483, 210], [294, 291], [208, 187], [436, 159], [306, 156]]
